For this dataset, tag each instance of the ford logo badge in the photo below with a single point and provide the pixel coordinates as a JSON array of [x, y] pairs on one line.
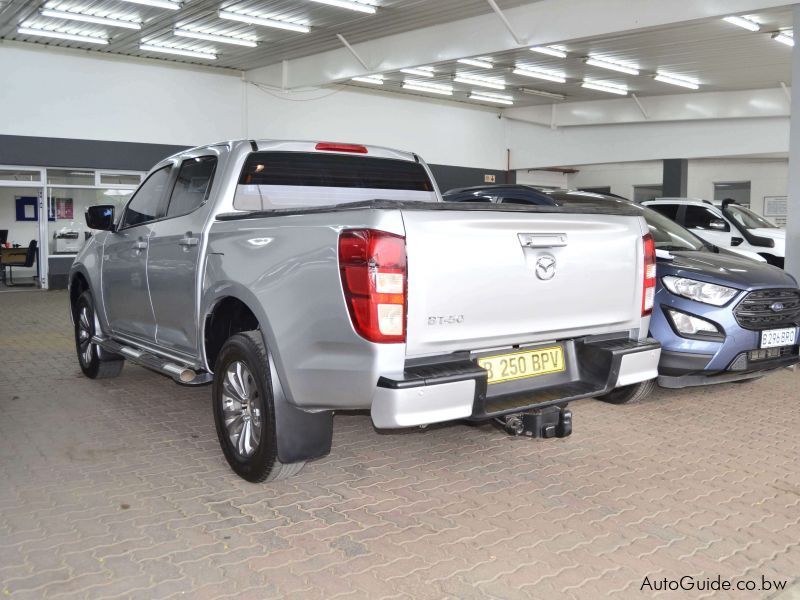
[[776, 306]]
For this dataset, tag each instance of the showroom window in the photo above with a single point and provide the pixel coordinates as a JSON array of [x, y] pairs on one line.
[[738, 190], [70, 192], [642, 193], [20, 175]]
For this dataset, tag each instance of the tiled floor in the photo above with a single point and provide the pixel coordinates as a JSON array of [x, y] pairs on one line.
[[117, 488]]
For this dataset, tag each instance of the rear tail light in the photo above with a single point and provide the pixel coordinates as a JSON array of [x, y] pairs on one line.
[[373, 269], [649, 285], [337, 147]]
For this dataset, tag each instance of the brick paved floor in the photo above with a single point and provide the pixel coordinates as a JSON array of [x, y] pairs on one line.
[[117, 488]]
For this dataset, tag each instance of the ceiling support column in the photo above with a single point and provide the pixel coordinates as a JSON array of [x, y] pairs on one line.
[[793, 215], [675, 178]]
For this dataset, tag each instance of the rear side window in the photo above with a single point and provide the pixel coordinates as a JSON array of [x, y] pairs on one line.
[[192, 185], [698, 217], [147, 203], [306, 179], [668, 210]]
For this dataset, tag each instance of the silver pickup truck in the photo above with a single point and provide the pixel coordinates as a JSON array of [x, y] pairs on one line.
[[302, 278]]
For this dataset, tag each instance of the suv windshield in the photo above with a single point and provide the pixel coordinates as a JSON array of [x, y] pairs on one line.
[[667, 234], [746, 217]]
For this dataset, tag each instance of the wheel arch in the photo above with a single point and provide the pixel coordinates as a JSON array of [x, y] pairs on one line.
[[301, 435]]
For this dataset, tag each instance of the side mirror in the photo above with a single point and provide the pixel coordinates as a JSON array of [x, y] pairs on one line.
[[100, 216], [718, 225]]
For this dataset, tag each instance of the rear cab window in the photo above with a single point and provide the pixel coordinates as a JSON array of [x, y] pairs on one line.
[[275, 180]]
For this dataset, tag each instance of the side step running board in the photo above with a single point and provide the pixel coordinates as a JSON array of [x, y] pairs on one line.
[[180, 373]]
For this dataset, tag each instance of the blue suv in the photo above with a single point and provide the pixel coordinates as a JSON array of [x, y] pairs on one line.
[[719, 317]]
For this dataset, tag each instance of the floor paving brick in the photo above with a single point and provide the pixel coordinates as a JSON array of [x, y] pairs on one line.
[[117, 489]]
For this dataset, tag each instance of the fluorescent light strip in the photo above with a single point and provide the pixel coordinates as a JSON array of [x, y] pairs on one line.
[[745, 22], [476, 62], [419, 88], [263, 21], [543, 94], [177, 51], [350, 4], [612, 65], [603, 86], [677, 80], [426, 86], [214, 37], [421, 71], [487, 82], [77, 16], [61, 35], [495, 98], [369, 79], [784, 37], [157, 3], [540, 74], [557, 51]]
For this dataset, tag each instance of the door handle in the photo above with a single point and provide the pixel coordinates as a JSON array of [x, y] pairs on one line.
[[140, 245], [542, 240], [189, 241]]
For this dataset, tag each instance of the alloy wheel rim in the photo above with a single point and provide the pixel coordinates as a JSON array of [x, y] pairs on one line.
[[85, 333], [241, 409]]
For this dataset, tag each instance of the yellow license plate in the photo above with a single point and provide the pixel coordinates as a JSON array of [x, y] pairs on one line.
[[521, 365]]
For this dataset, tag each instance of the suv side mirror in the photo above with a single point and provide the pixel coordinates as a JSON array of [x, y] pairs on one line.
[[718, 225], [100, 216]]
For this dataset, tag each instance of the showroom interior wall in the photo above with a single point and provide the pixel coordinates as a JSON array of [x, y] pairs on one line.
[[767, 176], [75, 95]]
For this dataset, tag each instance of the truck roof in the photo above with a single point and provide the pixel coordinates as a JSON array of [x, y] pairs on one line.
[[311, 146]]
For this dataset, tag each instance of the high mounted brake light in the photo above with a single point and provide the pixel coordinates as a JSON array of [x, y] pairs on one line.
[[337, 147], [373, 270], [649, 284]]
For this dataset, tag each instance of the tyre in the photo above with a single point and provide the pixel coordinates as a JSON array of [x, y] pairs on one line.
[[95, 362], [244, 410], [630, 393]]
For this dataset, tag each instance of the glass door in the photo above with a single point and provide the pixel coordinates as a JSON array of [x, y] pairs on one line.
[[69, 193], [21, 222]]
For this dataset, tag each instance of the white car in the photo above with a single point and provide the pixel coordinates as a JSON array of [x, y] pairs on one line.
[[729, 225]]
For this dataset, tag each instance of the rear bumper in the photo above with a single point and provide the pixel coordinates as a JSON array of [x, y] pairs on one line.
[[456, 387]]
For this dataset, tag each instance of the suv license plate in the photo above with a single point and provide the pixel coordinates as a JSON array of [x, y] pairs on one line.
[[773, 338], [521, 365]]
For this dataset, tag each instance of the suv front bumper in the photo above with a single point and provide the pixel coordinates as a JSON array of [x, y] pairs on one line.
[[456, 387]]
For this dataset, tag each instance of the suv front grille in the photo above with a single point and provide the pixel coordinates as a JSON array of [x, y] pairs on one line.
[[756, 310]]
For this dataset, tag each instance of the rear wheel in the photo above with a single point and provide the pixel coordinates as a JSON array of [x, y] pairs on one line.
[[95, 362], [244, 410], [630, 393]]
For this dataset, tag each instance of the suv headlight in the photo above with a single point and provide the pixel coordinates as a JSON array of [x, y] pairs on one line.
[[707, 293]]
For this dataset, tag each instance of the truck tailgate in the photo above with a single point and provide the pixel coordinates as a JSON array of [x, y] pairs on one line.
[[481, 279]]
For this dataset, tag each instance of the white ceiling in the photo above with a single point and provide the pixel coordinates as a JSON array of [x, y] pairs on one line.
[[721, 56]]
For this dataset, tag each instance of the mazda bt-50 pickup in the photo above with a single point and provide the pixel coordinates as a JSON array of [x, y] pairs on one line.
[[302, 278]]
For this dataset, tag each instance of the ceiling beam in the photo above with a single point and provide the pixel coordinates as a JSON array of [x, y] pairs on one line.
[[696, 106], [537, 23]]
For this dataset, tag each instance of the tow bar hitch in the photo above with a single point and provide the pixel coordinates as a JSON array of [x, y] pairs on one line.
[[553, 421]]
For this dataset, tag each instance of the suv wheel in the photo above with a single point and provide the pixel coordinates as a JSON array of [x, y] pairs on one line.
[[244, 411], [95, 362], [630, 393]]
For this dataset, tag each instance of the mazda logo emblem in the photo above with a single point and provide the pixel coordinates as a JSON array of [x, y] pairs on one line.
[[776, 307], [546, 267]]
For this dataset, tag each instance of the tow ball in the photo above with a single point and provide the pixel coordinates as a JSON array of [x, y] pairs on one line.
[[553, 421]]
